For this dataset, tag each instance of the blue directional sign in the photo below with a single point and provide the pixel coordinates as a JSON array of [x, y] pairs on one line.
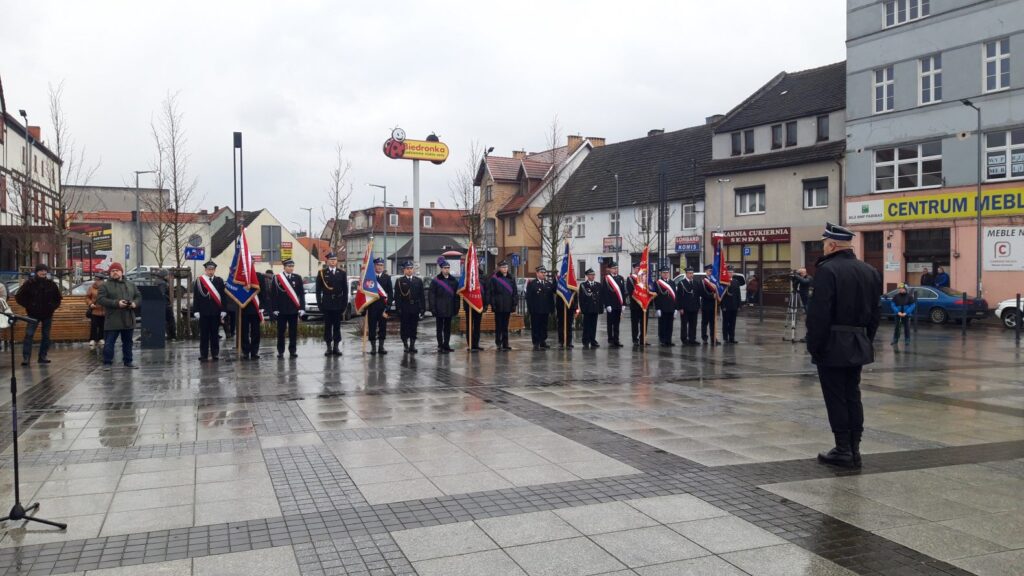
[[515, 259], [195, 253]]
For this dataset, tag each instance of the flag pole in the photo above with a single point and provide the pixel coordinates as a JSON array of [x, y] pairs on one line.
[[238, 331], [469, 327], [366, 327], [643, 333], [714, 323], [565, 326]]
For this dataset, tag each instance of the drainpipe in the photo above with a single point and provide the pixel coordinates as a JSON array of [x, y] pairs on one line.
[[842, 191]]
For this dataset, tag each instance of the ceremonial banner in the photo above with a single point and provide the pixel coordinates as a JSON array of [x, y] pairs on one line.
[[242, 284], [469, 282], [720, 277], [642, 292], [369, 289], [567, 284]]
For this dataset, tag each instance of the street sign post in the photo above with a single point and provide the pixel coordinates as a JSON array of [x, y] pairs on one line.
[[195, 253]]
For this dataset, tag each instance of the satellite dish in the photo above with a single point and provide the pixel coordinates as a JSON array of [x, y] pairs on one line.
[[493, 251]]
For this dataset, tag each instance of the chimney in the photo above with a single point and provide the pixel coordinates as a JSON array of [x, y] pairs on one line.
[[595, 141], [574, 142], [656, 132], [216, 208], [519, 154], [714, 119], [431, 204], [36, 133], [405, 203]]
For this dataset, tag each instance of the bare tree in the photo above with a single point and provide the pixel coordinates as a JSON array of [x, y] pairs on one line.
[[339, 196], [162, 224], [552, 230], [465, 195], [74, 170]]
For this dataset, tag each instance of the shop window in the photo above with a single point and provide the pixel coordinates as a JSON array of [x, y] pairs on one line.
[[755, 252], [770, 252], [734, 253], [784, 252], [1004, 154]]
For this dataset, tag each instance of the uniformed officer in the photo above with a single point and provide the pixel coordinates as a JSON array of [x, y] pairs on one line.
[[410, 303], [502, 288], [540, 300], [377, 312], [444, 304], [842, 319], [688, 304], [708, 299], [636, 313], [565, 328], [252, 317], [208, 301], [474, 318], [665, 305], [613, 298], [289, 305], [332, 298], [590, 305], [731, 303]]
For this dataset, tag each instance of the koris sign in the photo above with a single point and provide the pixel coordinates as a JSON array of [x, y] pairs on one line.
[[399, 148]]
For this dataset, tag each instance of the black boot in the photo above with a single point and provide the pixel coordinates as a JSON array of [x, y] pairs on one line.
[[329, 351], [412, 346], [337, 349], [380, 348], [841, 455], [855, 447], [405, 344], [373, 347]]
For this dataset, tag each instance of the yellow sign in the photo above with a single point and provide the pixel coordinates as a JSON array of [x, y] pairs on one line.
[[286, 250], [998, 202], [424, 150]]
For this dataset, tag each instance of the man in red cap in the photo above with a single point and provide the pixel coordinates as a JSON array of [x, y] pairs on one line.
[[120, 300]]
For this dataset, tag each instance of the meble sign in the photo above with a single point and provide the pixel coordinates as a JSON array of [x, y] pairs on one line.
[[1002, 202]]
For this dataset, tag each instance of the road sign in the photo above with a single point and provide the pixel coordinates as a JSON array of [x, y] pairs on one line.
[[746, 250], [515, 259], [195, 253], [195, 240], [127, 252]]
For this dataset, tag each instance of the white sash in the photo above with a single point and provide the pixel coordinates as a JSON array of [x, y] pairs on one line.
[[667, 287], [615, 286], [282, 280], [211, 290]]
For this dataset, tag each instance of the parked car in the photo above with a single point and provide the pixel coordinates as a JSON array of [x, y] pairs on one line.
[[939, 305], [1008, 313], [312, 308]]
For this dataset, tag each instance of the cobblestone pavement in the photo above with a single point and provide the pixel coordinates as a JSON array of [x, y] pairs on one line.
[[661, 461]]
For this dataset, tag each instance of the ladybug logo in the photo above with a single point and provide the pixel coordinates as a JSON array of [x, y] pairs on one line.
[[394, 149]]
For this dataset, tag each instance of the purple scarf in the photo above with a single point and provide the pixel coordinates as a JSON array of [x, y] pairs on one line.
[[444, 283], [505, 283]]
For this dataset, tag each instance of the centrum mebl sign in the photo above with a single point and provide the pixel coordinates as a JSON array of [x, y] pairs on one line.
[[1001, 202]]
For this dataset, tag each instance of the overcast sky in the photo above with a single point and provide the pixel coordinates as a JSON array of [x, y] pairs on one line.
[[295, 77]]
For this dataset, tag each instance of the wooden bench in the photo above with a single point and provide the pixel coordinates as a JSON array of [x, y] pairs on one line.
[[69, 321], [516, 322]]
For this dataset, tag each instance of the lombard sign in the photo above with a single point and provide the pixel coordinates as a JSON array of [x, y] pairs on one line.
[[687, 244], [1001, 202], [1004, 248], [756, 236], [398, 147]]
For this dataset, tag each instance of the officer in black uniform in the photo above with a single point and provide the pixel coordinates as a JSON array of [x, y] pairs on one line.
[[502, 288], [540, 300], [286, 310], [252, 315], [842, 318], [444, 304], [665, 306], [332, 298], [411, 303], [730, 305], [208, 306], [613, 298], [565, 328], [708, 299], [474, 318], [590, 305], [636, 313], [688, 303], [377, 313]]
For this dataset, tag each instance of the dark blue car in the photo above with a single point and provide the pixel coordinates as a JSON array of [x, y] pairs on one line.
[[939, 305]]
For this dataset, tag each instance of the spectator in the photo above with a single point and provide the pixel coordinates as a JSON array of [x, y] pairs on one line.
[[941, 278], [927, 279], [40, 297], [802, 284], [753, 290], [95, 312], [903, 305], [120, 299]]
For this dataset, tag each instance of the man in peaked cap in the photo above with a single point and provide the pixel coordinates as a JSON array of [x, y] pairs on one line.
[[443, 303], [289, 304], [332, 298], [377, 313], [613, 298], [842, 318], [540, 301], [636, 313], [411, 303], [707, 307], [209, 307], [688, 304], [503, 291], [590, 306], [665, 305]]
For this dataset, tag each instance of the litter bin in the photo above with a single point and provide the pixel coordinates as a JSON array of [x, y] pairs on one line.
[[154, 322]]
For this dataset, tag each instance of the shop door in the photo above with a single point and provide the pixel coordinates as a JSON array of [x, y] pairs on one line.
[[925, 250], [874, 250]]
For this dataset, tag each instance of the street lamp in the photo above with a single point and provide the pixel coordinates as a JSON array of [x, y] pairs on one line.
[[138, 215], [28, 184], [977, 200], [385, 189], [309, 234]]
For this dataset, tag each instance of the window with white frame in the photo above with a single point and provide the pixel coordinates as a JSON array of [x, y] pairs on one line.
[[1004, 154], [689, 215], [884, 86], [908, 167], [997, 65], [750, 201], [815, 193], [393, 220], [902, 11], [613, 220], [646, 218], [428, 221], [930, 68], [581, 226]]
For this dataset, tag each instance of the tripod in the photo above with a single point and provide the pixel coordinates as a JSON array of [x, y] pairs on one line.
[[18, 511], [792, 312]]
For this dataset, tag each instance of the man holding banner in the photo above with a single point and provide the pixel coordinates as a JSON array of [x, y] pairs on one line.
[[377, 309], [641, 295], [289, 305], [474, 299], [665, 305], [244, 286], [208, 308], [566, 287]]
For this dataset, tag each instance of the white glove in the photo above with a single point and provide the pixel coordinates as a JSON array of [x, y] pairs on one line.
[[608, 309], [658, 313], [302, 313], [223, 315], [196, 315], [276, 313]]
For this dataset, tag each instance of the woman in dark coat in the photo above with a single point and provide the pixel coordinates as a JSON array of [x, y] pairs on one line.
[[444, 304]]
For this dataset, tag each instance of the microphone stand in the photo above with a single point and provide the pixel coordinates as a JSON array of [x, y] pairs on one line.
[[18, 511]]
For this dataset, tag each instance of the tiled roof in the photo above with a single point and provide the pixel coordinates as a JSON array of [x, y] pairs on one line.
[[536, 170], [225, 237], [517, 201], [444, 221], [684, 153], [430, 244], [791, 95], [322, 247], [147, 217], [791, 157], [500, 168], [553, 156]]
